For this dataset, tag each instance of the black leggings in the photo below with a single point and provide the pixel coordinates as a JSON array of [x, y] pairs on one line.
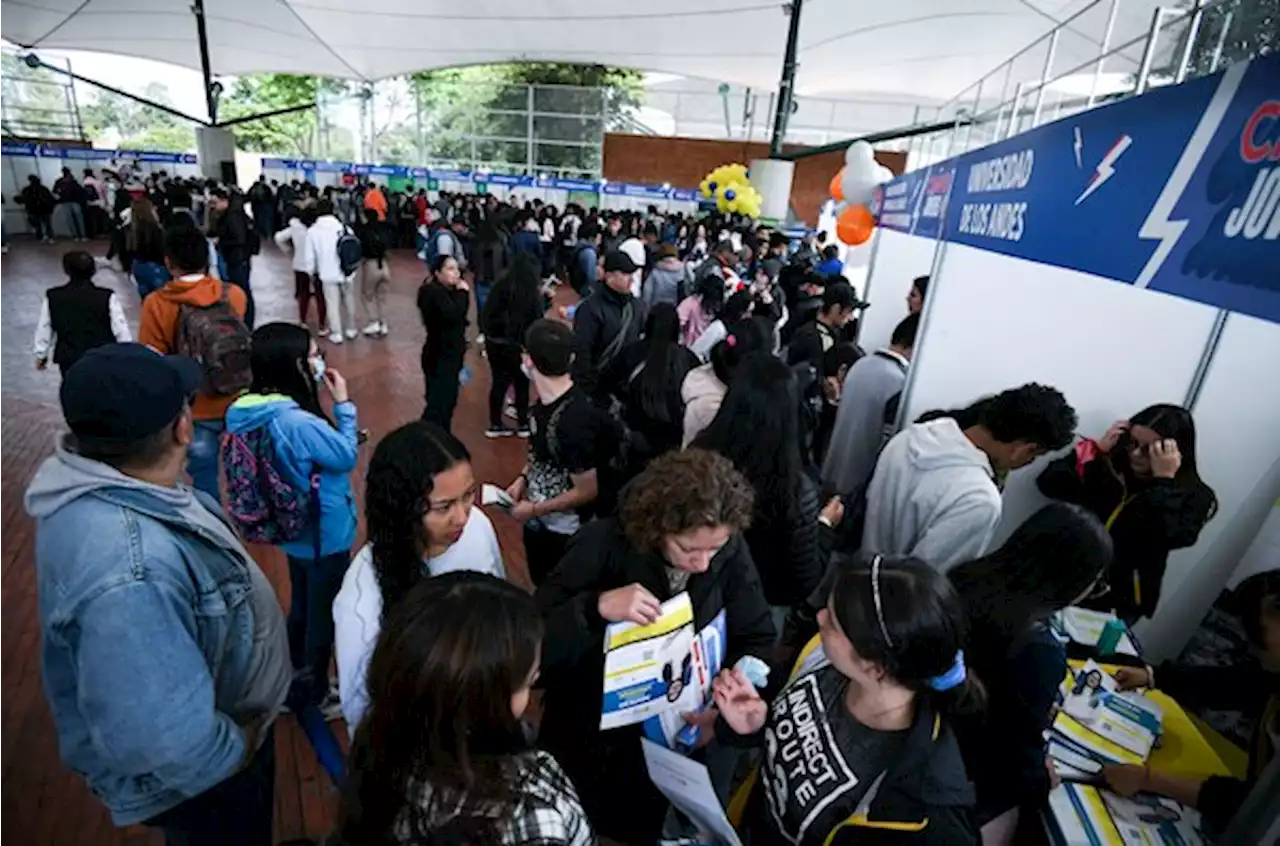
[[504, 363], [442, 391]]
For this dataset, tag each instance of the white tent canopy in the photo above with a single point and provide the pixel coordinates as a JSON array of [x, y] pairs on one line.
[[924, 48]]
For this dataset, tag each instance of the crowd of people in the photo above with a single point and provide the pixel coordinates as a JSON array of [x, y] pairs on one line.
[[700, 421]]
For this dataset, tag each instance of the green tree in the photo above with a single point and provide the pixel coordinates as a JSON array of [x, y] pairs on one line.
[[294, 134], [110, 118], [1243, 28], [35, 101]]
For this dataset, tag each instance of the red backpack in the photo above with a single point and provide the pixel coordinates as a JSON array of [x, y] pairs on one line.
[[216, 337]]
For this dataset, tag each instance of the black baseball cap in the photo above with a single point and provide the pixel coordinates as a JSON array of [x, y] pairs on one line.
[[124, 392], [619, 262]]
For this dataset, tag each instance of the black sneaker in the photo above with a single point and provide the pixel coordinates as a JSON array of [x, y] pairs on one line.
[[498, 432]]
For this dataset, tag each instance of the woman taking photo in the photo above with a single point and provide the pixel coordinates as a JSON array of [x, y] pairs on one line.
[[883, 765], [419, 507], [282, 413], [1051, 561], [443, 300], [678, 529], [648, 375], [758, 429], [511, 308], [442, 755], [1142, 481]]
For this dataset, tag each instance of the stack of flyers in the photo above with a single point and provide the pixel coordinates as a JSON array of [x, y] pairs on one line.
[[1097, 724], [1081, 815], [1082, 626]]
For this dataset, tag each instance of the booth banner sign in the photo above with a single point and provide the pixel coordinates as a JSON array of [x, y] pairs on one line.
[[1177, 191], [509, 180], [650, 192], [18, 148], [51, 151], [684, 195], [915, 202]]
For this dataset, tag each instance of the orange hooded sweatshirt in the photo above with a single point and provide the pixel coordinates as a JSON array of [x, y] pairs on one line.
[[158, 326], [376, 200]]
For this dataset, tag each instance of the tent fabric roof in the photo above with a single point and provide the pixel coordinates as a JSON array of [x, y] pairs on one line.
[[925, 48]]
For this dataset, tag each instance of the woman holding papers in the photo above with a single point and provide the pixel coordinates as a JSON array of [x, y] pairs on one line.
[[443, 757], [1252, 686], [1051, 561], [858, 746], [1141, 479], [678, 530]]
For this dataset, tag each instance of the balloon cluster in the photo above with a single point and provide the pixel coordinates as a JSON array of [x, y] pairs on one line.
[[853, 188], [733, 192]]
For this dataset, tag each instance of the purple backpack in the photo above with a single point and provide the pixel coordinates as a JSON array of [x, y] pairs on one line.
[[262, 504]]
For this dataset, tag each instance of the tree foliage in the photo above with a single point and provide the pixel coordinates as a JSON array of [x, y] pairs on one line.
[[118, 121], [1243, 28], [295, 134], [35, 101]]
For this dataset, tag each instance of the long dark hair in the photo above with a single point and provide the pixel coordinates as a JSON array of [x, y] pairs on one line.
[[741, 340], [665, 366], [1174, 421], [441, 680], [758, 429], [514, 298], [922, 616], [279, 363], [397, 495], [1049, 562]]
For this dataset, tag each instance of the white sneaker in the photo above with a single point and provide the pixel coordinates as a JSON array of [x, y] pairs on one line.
[[335, 337], [352, 334], [48, 240], [373, 328], [383, 329]]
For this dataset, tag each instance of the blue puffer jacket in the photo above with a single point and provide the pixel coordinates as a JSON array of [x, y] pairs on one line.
[[303, 443]]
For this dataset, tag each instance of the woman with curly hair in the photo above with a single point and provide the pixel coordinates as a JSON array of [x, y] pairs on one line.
[[678, 529], [443, 757], [419, 507]]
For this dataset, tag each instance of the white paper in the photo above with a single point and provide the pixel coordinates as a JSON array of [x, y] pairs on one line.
[[687, 784]]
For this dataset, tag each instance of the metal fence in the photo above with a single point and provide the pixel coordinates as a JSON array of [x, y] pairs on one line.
[[36, 102]]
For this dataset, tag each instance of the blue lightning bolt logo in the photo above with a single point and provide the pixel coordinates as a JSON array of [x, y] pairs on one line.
[[1078, 146], [1106, 168], [1158, 225]]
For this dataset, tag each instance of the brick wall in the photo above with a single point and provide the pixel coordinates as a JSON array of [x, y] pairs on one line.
[[685, 161]]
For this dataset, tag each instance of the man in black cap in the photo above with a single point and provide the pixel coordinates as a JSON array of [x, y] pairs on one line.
[[163, 645], [606, 322]]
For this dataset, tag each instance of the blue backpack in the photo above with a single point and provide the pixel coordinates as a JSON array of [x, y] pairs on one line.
[[262, 504], [431, 246]]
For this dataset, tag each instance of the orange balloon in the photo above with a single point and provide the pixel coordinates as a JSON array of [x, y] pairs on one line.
[[855, 225], [835, 188]]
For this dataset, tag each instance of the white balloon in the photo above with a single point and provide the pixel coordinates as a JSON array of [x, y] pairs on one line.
[[857, 186], [859, 152], [883, 175]]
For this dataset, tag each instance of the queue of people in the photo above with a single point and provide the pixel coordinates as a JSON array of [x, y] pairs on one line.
[[702, 423]]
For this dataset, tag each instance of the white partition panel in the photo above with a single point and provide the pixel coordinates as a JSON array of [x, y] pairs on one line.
[[899, 258], [1238, 442], [997, 322]]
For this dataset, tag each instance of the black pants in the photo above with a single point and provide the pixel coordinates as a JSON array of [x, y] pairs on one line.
[[238, 274], [442, 391], [543, 550], [237, 810], [504, 362]]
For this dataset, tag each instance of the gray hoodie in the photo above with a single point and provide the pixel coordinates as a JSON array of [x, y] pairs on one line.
[[665, 283], [933, 496]]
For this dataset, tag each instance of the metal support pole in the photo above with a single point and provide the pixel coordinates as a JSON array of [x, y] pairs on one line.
[[417, 116], [1222, 41], [1206, 357], [1044, 76], [1149, 51], [210, 98], [1009, 129], [1193, 31], [787, 83], [973, 115], [530, 156], [1102, 51]]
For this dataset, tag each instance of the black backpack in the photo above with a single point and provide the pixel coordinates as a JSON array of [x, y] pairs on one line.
[[350, 253]]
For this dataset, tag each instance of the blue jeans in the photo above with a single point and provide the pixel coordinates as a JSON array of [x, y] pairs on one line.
[[202, 456], [313, 586], [75, 219]]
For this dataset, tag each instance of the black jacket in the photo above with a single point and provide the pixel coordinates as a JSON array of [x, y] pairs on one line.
[[608, 767], [597, 322], [235, 242], [792, 557], [373, 247], [38, 199], [924, 799], [1158, 515], [1004, 747], [444, 314], [623, 378], [500, 322]]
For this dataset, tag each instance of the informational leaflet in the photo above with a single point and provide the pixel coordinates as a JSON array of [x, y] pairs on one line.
[[1098, 720], [1084, 627], [660, 671], [1088, 816], [688, 785]]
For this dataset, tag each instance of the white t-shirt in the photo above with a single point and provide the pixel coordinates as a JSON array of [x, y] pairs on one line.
[[357, 610]]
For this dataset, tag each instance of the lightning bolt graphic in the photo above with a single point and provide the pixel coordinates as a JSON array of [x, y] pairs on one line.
[[1078, 145], [1158, 225], [1106, 168]]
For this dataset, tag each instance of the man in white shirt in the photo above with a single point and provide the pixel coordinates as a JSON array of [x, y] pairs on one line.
[[293, 239], [322, 262]]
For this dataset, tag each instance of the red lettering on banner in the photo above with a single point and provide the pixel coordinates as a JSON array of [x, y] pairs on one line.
[[1254, 153]]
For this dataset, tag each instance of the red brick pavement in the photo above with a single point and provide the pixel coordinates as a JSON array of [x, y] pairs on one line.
[[43, 803]]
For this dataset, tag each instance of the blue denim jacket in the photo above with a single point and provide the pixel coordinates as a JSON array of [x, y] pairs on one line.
[[147, 634]]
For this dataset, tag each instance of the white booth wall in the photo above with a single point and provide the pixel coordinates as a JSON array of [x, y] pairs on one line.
[[896, 259], [996, 321]]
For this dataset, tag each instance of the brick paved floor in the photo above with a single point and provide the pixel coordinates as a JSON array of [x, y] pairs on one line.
[[45, 804]]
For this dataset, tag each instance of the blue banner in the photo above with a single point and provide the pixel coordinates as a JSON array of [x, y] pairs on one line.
[[18, 148], [1177, 191], [914, 202]]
